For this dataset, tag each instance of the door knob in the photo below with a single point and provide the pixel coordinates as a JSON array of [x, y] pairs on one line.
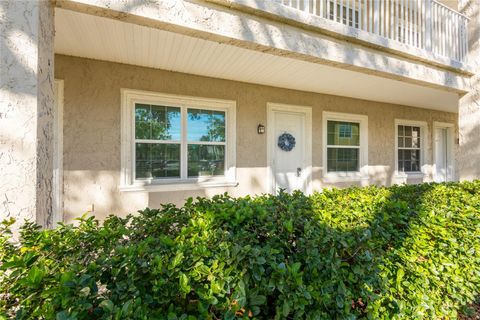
[[299, 171]]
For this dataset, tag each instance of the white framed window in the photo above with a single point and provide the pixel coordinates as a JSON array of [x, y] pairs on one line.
[[409, 147], [345, 151], [176, 140]]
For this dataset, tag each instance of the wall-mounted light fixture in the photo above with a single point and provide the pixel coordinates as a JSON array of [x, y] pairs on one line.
[[261, 129]]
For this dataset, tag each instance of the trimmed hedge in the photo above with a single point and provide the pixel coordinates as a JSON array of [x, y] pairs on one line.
[[404, 252]]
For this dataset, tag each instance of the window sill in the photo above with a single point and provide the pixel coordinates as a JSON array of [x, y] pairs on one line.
[[177, 186], [344, 177], [407, 175]]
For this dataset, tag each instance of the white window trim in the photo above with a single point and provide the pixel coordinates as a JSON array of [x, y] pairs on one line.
[[127, 176], [57, 186], [423, 131], [332, 177]]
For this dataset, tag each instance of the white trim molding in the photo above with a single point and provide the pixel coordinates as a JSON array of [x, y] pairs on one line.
[[57, 186], [423, 148], [362, 174], [129, 183], [451, 176], [307, 172]]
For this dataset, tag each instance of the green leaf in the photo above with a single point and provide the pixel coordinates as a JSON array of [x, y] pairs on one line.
[[85, 292], [35, 276], [106, 305], [126, 307], [285, 308], [176, 260], [261, 260], [295, 267], [400, 274], [184, 283], [62, 315], [288, 225], [240, 294], [340, 301], [257, 300]]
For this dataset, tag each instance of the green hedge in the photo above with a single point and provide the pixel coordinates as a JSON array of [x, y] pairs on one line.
[[404, 252]]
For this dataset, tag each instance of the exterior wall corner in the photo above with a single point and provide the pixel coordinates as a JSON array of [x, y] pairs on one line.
[[26, 110], [469, 104]]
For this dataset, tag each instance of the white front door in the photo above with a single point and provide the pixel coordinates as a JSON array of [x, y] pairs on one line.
[[443, 153], [289, 148]]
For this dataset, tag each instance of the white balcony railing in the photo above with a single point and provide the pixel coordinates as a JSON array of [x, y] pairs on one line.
[[425, 24]]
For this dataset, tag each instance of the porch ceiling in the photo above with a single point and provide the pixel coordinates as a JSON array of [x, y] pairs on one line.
[[94, 37]]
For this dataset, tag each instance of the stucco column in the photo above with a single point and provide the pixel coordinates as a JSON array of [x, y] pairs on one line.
[[469, 105], [26, 110]]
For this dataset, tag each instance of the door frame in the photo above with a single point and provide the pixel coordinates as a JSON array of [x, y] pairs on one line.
[[279, 107], [451, 138], [57, 185]]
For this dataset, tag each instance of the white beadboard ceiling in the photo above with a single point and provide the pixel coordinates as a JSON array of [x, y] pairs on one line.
[[88, 36]]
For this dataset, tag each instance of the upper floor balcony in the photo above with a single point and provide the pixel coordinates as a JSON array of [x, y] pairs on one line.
[[407, 25], [405, 52]]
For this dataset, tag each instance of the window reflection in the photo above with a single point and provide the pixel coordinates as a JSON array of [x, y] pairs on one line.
[[157, 122], [206, 125]]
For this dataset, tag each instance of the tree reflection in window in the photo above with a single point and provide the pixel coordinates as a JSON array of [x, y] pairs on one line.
[[158, 134], [157, 122], [206, 142], [206, 125], [157, 145]]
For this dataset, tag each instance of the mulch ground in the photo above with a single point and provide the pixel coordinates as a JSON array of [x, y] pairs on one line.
[[475, 316]]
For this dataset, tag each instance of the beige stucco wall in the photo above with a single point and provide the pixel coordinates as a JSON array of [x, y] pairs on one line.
[[26, 110], [92, 131]]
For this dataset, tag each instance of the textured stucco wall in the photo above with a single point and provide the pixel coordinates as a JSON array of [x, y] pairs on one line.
[[469, 105], [26, 102], [92, 131]]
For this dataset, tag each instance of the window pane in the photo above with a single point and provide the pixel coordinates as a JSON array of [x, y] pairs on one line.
[[408, 131], [416, 137], [157, 122], [408, 165], [142, 121], [408, 142], [342, 159], [412, 136], [206, 160], [343, 133], [157, 160], [416, 160], [400, 142], [409, 160], [415, 132], [416, 143], [206, 125], [401, 157]]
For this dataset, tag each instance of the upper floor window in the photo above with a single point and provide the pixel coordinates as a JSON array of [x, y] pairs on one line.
[[177, 139]]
